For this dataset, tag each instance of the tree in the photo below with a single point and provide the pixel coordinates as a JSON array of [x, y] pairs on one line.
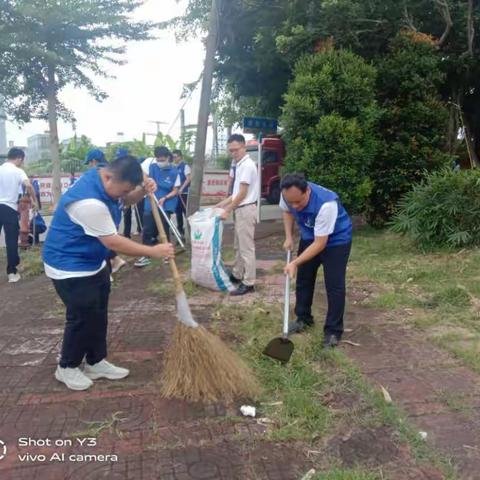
[[47, 45], [330, 117], [138, 148], [413, 124], [73, 156], [193, 203]]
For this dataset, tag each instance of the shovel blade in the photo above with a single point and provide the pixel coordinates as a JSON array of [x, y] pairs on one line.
[[280, 349]]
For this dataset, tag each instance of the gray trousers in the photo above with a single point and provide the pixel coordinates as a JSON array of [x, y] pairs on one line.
[[245, 262]]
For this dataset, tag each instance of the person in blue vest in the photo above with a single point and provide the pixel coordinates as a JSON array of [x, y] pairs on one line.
[[165, 175], [36, 187], [95, 158], [325, 239], [82, 232], [185, 173]]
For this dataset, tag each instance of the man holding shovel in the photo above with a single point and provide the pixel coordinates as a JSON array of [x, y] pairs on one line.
[[167, 180], [83, 230], [325, 239]]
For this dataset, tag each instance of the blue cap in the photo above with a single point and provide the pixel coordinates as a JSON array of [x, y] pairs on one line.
[[121, 152], [97, 155]]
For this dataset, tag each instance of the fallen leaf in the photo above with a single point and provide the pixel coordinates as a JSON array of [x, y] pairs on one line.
[[386, 395], [309, 475], [265, 421]]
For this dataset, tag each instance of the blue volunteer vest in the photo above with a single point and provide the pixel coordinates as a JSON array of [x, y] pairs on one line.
[[67, 247], [165, 177], [342, 233], [181, 171]]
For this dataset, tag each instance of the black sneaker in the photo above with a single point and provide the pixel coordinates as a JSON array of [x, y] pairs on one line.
[[234, 279], [300, 326], [242, 290], [330, 341]]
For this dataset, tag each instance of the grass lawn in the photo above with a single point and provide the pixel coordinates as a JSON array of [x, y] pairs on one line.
[[318, 395], [439, 292]]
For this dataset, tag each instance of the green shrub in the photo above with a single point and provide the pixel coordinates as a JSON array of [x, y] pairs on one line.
[[443, 210], [330, 120]]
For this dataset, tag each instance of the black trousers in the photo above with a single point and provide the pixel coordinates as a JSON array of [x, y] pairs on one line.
[[334, 261], [150, 231], [85, 335], [9, 222], [181, 212]]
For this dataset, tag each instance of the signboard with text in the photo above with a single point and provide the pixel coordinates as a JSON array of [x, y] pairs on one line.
[[45, 183], [260, 125]]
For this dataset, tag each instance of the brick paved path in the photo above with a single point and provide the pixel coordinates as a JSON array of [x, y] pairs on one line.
[[172, 440], [152, 437]]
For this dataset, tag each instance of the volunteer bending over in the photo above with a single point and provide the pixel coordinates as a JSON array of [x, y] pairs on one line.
[[83, 230], [325, 239]]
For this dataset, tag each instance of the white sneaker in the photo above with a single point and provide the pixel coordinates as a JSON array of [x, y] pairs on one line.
[[73, 378], [13, 277], [117, 264], [104, 369], [143, 262]]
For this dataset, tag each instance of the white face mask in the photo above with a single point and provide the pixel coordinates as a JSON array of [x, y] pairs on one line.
[[163, 164]]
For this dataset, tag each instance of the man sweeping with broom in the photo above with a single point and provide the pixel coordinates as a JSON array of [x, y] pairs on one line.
[[83, 230]]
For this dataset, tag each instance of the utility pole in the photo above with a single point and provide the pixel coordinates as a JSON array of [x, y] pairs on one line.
[[182, 129], [215, 135], [158, 123], [195, 193]]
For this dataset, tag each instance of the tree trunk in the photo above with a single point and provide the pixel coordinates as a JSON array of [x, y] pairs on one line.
[[471, 143], [452, 129], [194, 196], [52, 123]]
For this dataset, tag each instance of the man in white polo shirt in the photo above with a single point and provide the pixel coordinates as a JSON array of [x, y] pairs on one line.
[[12, 178], [243, 202]]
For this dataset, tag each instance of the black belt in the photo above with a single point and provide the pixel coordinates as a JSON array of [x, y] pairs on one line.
[[246, 205]]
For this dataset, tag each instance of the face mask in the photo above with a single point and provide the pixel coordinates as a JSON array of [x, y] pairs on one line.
[[163, 164]]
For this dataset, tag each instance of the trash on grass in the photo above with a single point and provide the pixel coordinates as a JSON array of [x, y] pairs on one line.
[[248, 411]]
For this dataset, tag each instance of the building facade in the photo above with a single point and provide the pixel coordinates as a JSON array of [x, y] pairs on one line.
[[38, 148]]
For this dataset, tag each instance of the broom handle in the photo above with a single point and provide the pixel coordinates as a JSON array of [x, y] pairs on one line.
[[164, 239]]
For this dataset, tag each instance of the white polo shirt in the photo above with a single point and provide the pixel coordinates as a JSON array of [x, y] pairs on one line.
[[11, 180], [246, 172]]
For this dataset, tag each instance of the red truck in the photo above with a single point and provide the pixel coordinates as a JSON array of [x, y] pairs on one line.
[[273, 155]]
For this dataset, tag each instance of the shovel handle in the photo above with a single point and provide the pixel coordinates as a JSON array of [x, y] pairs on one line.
[[286, 302], [164, 239]]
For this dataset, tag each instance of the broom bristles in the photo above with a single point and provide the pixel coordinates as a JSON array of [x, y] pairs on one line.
[[199, 366]]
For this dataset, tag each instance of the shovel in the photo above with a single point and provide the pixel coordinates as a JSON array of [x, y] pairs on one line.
[[281, 348]]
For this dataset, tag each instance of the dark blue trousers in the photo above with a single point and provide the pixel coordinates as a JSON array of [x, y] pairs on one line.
[[334, 261]]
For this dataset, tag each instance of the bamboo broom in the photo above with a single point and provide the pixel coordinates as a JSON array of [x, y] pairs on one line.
[[197, 364]]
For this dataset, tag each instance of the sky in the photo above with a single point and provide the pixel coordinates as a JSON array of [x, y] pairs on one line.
[[147, 88]]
